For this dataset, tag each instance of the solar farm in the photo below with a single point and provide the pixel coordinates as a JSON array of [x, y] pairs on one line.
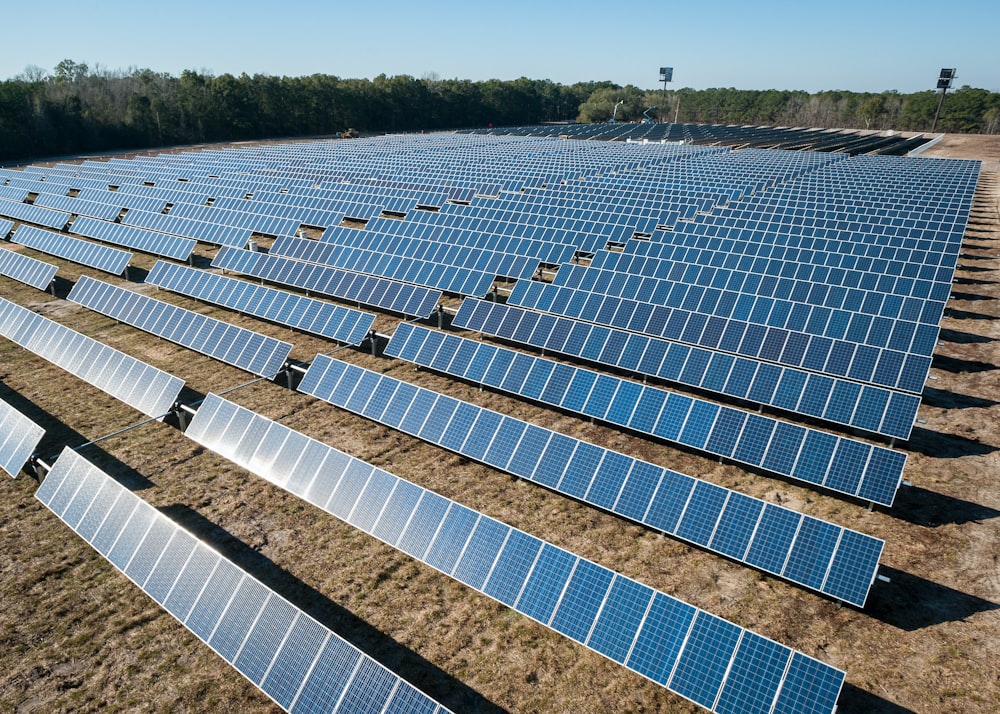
[[500, 422]]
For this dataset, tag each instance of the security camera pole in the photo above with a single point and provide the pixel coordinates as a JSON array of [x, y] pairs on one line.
[[944, 84], [666, 75]]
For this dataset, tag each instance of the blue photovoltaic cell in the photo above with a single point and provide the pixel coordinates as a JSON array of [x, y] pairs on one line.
[[303, 313], [878, 409], [755, 677], [619, 621], [587, 602], [721, 430], [240, 618], [256, 353], [649, 494], [705, 660]]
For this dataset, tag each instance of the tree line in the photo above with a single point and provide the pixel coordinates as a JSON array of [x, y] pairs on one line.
[[76, 109]]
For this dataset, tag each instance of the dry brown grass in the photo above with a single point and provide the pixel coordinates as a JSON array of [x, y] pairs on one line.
[[75, 635]]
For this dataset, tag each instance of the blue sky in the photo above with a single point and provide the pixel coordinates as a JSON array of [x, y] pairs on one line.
[[854, 45]]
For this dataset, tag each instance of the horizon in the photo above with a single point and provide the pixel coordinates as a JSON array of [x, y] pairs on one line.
[[788, 45]]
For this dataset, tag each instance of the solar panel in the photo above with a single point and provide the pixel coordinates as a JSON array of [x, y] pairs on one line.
[[868, 407], [5, 228], [78, 206], [744, 529], [487, 257], [102, 257], [198, 230], [302, 665], [390, 295], [146, 241], [449, 278], [844, 465], [237, 346], [13, 194], [147, 389], [19, 437], [676, 645], [303, 313], [29, 271], [34, 214]]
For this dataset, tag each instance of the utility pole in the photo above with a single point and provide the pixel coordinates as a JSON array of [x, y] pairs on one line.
[[944, 84]]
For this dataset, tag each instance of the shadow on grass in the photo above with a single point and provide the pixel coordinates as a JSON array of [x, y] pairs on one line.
[[927, 508], [963, 338], [959, 366], [443, 687], [972, 281], [967, 315], [974, 269], [58, 435], [972, 297], [946, 446], [854, 700], [944, 399], [912, 603]]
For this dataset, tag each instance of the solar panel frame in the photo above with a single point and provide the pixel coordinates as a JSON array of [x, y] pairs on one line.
[[233, 613]]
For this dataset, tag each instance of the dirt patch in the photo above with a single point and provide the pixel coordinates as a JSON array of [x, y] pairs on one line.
[[76, 636]]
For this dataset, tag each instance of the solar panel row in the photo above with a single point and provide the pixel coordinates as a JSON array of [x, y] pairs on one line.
[[34, 214], [364, 289], [840, 401], [380, 231], [816, 457], [811, 262], [29, 271], [888, 365], [299, 663], [447, 278], [508, 262], [102, 257], [307, 314], [710, 661], [161, 244], [826, 558], [189, 228], [262, 224], [808, 306], [78, 206], [246, 349], [147, 389]]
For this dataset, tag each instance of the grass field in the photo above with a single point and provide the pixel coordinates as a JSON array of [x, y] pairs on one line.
[[77, 636]]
